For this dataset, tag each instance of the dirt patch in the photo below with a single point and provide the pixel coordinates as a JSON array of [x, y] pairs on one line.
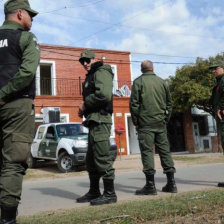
[[46, 170]]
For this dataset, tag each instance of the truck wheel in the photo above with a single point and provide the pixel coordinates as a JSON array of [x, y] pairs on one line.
[[32, 162], [64, 162]]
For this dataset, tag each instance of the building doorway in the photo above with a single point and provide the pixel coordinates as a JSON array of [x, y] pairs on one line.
[[175, 131], [133, 138]]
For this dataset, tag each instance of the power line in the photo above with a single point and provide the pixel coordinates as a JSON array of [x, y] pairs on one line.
[[118, 61], [90, 20], [144, 53], [86, 5], [163, 55], [69, 7]]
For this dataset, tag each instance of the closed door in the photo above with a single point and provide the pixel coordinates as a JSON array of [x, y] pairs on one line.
[[196, 135], [133, 138]]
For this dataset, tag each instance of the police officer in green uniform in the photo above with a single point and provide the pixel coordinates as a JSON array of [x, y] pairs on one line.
[[19, 58], [217, 100], [150, 107], [97, 108]]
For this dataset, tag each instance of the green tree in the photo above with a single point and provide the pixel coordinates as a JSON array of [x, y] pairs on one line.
[[192, 85]]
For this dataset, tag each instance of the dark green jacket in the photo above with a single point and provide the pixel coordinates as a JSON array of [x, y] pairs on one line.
[[30, 60], [217, 98], [103, 84], [150, 102]]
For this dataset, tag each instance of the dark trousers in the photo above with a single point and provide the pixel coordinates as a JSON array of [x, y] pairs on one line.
[[16, 135], [99, 159], [147, 138]]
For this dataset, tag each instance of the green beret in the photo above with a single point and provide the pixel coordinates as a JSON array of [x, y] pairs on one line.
[[216, 64], [87, 54], [12, 5]]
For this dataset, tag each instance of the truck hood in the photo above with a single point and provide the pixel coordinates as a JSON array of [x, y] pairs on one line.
[[79, 141], [77, 137]]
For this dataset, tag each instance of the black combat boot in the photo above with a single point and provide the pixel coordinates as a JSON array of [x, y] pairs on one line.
[[149, 188], [109, 196], [171, 185], [221, 184], [8, 214], [94, 191]]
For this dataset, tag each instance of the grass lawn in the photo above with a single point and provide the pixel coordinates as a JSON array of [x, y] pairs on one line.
[[194, 207]]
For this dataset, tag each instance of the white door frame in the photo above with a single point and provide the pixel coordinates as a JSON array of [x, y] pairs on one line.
[[126, 128], [53, 77]]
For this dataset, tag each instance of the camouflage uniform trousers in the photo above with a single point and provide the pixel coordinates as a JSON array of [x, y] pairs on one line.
[[16, 135], [147, 138], [99, 161]]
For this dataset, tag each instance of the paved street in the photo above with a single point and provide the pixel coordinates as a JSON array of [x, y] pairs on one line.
[[56, 194]]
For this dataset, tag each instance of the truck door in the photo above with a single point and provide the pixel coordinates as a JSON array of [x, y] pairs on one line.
[[37, 140], [49, 144]]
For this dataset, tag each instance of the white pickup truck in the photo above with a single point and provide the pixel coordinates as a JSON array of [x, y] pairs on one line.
[[66, 143]]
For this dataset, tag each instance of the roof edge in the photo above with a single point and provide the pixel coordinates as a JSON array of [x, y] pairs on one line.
[[96, 50]]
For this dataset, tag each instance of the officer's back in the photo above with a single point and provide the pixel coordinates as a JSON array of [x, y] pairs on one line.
[[152, 99]]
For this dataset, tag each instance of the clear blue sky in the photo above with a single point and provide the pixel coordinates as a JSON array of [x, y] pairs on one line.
[[149, 29]]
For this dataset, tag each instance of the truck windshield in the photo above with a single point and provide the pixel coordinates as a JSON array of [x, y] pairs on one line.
[[71, 130]]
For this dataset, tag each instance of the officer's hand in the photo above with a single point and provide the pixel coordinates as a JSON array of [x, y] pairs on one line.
[[220, 113], [80, 113], [81, 109], [1, 103], [82, 106]]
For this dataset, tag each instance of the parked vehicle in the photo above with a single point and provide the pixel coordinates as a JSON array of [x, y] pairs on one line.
[[66, 143]]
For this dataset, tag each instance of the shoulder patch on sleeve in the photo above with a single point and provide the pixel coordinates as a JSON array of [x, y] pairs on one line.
[[35, 40], [37, 45]]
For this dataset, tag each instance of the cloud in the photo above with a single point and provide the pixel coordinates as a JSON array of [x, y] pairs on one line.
[[55, 35], [172, 30]]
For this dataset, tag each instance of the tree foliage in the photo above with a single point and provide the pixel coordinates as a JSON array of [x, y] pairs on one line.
[[192, 85]]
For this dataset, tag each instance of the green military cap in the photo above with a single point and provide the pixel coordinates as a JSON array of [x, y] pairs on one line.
[[12, 5], [87, 54], [216, 64]]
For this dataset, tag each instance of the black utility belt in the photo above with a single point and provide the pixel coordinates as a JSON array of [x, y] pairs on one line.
[[26, 96], [102, 112], [22, 97]]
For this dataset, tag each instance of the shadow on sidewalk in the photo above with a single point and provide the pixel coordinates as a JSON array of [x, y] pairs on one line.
[[130, 188], [57, 192], [181, 181]]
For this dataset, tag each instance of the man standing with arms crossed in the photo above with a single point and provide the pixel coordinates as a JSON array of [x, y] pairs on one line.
[[97, 107], [19, 58], [150, 107], [217, 100]]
